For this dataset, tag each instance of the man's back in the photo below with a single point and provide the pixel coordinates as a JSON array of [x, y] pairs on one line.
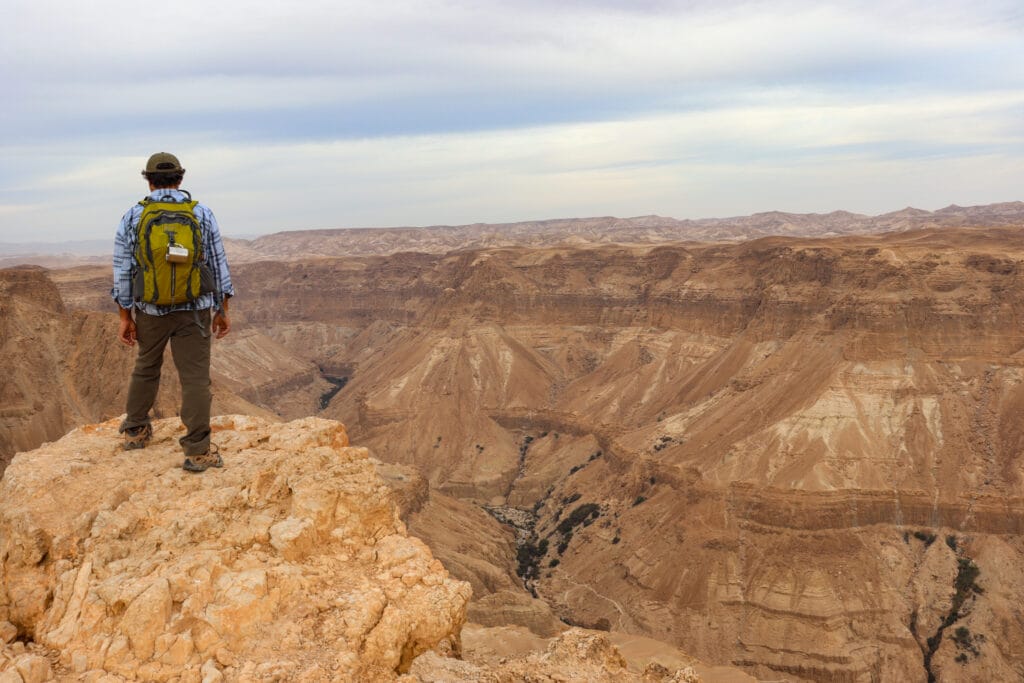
[[152, 321], [125, 265]]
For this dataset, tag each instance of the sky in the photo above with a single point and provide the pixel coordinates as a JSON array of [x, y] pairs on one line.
[[331, 113]]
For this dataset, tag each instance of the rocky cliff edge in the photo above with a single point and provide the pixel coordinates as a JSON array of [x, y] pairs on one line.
[[290, 563]]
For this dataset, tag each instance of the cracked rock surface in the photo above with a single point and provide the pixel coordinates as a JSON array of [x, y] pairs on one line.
[[290, 563]]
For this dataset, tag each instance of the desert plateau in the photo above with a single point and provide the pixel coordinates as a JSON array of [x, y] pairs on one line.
[[782, 447]]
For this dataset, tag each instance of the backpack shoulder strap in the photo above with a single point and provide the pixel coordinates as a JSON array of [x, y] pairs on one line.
[[188, 199], [187, 205]]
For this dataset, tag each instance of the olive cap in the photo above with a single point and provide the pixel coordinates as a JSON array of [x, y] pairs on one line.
[[163, 162]]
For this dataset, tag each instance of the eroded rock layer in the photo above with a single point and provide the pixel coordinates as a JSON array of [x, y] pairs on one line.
[[762, 433], [800, 456]]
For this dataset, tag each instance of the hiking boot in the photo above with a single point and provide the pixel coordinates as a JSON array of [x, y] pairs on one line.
[[137, 437], [199, 463]]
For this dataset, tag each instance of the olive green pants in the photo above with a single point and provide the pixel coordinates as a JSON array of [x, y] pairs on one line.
[[190, 348]]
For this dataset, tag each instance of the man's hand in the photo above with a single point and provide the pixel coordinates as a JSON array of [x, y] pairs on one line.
[[221, 324], [126, 332]]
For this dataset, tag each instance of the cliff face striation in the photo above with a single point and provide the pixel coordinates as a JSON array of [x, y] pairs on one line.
[[787, 455], [798, 456], [290, 563]]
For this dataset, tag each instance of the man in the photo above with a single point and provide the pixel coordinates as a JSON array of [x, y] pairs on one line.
[[185, 322]]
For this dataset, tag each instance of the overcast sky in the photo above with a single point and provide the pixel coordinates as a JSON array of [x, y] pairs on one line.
[[330, 113]]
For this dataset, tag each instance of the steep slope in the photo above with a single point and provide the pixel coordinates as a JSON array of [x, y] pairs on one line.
[[263, 372], [795, 414]]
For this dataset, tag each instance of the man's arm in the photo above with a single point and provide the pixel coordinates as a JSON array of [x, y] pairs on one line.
[[124, 261], [121, 292], [221, 322]]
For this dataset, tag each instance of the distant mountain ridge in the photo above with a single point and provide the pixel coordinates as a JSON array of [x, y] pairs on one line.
[[609, 229], [440, 239]]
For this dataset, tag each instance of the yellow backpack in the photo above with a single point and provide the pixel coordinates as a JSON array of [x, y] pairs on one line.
[[168, 251]]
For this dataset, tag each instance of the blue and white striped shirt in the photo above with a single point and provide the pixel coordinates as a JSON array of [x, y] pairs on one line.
[[124, 258]]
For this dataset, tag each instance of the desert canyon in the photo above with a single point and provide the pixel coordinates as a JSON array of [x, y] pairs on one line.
[[779, 447]]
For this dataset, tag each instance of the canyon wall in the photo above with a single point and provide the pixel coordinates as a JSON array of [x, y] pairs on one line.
[[824, 432], [802, 457]]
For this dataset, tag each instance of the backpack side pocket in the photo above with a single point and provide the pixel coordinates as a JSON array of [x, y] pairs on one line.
[[138, 283], [207, 280]]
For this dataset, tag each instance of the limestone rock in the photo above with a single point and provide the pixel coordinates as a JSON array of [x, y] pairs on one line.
[[289, 563], [576, 656], [33, 668], [21, 664], [516, 607]]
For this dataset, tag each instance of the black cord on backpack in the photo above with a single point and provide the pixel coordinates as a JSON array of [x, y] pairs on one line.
[[202, 329]]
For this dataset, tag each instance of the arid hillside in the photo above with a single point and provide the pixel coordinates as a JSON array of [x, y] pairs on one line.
[[798, 456]]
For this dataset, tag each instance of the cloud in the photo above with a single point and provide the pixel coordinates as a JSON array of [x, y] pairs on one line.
[[320, 70], [328, 113], [816, 154]]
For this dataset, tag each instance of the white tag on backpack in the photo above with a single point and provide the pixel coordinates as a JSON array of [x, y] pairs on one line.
[[177, 254]]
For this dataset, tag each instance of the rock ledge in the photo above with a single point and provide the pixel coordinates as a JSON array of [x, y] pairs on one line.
[[290, 563]]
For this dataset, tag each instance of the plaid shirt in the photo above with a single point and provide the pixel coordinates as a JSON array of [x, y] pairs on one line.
[[124, 258]]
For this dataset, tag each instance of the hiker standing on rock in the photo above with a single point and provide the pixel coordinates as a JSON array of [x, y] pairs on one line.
[[171, 272]]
